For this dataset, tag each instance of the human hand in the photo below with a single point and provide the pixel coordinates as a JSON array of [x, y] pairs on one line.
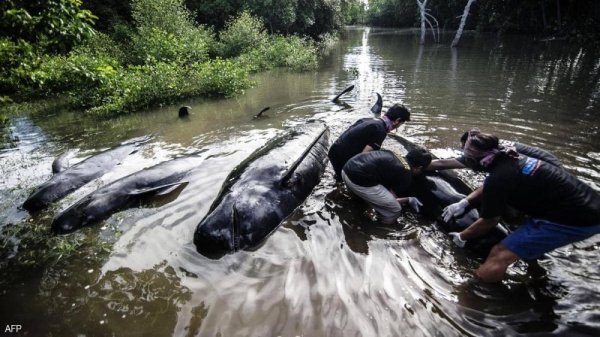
[[455, 209], [414, 203], [457, 239]]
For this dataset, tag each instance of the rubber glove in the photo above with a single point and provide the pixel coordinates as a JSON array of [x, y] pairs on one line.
[[414, 203], [457, 239], [455, 209]]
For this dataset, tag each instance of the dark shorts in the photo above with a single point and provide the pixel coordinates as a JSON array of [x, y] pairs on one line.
[[537, 237]]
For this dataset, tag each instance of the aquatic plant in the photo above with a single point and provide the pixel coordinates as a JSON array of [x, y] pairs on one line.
[[30, 243]]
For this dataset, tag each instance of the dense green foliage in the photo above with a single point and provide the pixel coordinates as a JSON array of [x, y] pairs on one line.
[[311, 18], [112, 56], [29, 29], [241, 35], [57, 25], [354, 12], [163, 56]]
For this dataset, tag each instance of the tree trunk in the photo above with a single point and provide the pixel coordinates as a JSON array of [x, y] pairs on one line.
[[463, 20], [543, 5], [422, 6], [558, 19]]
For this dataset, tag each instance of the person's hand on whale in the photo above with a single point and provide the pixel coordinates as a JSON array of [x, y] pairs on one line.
[[414, 203], [457, 239], [455, 209]]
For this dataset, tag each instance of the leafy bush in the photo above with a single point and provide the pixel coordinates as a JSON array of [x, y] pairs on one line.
[[75, 74], [103, 46], [299, 54], [160, 83], [55, 25], [166, 32], [241, 35], [292, 52], [220, 78], [17, 60], [152, 45], [170, 16], [85, 69]]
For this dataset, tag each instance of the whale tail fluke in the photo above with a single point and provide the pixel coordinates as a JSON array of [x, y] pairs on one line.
[[343, 92], [260, 114]]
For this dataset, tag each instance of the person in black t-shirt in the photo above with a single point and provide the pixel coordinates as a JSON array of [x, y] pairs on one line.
[[365, 135], [561, 208], [528, 150], [382, 177], [457, 209]]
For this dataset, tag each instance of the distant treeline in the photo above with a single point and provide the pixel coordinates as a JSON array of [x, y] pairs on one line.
[[575, 19], [301, 17]]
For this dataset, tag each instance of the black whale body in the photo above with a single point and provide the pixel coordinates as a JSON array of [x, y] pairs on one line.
[[438, 189], [72, 178], [263, 190], [126, 192]]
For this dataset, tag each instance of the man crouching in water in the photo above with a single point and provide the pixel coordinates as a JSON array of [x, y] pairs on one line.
[[561, 209], [381, 178]]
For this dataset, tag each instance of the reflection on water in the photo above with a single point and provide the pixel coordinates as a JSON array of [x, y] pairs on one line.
[[329, 270]]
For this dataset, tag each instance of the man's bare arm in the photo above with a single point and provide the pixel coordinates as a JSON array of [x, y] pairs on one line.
[[445, 164], [479, 228]]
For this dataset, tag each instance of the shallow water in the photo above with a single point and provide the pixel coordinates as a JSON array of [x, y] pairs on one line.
[[328, 270]]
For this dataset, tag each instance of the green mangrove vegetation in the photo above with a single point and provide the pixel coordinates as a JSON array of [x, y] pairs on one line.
[[111, 57], [162, 56]]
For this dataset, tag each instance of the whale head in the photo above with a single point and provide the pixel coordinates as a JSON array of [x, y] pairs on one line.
[[240, 221]]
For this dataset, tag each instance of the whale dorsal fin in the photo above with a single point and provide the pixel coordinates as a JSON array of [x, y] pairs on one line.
[[376, 108], [290, 171]]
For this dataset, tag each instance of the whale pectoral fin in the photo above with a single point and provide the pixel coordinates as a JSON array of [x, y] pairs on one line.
[[158, 190]]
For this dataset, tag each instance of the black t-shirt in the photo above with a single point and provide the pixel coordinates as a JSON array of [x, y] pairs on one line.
[[366, 131], [540, 190], [379, 168], [529, 151]]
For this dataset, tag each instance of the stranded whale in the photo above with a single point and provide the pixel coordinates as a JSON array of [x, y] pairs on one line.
[[72, 178], [125, 193], [263, 190]]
